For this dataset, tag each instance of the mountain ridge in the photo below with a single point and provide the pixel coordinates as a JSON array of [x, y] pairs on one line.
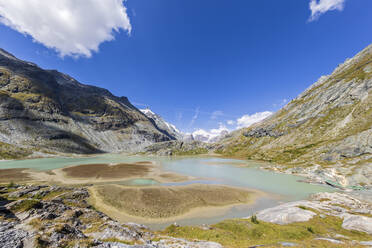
[[50, 112], [329, 125]]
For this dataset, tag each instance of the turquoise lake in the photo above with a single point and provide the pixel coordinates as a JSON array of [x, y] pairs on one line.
[[207, 170]]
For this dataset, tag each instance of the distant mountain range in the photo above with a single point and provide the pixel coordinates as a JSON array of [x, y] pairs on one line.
[[198, 135], [45, 111], [209, 137]]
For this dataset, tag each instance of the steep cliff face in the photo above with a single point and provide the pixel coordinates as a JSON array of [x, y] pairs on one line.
[[329, 125], [48, 111]]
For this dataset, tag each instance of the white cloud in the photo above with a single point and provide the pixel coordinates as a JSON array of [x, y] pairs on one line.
[[71, 27], [281, 103], [244, 121], [230, 122], [195, 116], [248, 120], [319, 7], [216, 114], [179, 116]]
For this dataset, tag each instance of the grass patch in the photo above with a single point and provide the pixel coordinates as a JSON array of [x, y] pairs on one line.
[[244, 233], [119, 241], [26, 205], [196, 151], [36, 223]]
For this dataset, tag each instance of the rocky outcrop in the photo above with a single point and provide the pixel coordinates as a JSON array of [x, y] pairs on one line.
[[328, 125], [285, 214], [355, 214], [48, 111], [358, 223], [11, 236]]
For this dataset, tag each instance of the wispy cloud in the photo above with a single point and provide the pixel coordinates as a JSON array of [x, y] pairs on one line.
[[230, 122], [140, 104], [179, 116], [216, 114], [248, 120], [319, 7], [280, 103], [195, 116], [72, 28]]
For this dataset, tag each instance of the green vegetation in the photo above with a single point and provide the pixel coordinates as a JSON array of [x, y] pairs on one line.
[[25, 205], [49, 196], [8, 151], [254, 219], [196, 151], [244, 233], [10, 185], [119, 241]]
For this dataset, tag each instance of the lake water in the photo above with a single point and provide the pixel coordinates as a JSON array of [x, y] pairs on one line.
[[208, 171]]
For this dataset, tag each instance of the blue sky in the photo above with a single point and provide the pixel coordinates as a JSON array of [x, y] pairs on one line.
[[200, 63]]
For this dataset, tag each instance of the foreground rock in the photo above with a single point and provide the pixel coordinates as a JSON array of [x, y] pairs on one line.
[[52, 216], [286, 214]]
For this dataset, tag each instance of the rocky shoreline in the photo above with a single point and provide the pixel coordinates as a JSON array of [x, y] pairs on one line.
[[318, 175]]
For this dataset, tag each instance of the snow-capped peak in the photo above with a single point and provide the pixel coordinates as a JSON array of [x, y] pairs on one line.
[[210, 136], [162, 124]]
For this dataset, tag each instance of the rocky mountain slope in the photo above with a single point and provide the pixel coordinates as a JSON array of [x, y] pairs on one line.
[[48, 111], [163, 125], [329, 126]]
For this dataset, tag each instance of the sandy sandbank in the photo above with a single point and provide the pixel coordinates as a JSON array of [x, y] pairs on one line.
[[106, 173], [14, 175], [159, 204]]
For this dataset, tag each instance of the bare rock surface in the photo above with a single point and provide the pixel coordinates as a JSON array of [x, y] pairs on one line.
[[286, 213], [358, 223], [352, 210]]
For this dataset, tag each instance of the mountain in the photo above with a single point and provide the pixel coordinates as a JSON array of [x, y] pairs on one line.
[[47, 111], [329, 126], [163, 125], [209, 137]]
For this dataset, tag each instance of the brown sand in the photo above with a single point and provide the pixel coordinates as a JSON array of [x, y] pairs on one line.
[[106, 171], [99, 173], [16, 175], [167, 202]]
